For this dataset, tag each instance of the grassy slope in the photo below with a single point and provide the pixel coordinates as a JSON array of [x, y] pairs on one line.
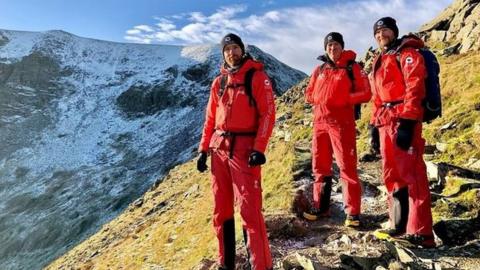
[[460, 81], [179, 234]]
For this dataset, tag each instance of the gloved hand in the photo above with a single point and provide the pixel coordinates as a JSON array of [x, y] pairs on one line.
[[374, 138], [202, 161], [405, 133], [256, 158]]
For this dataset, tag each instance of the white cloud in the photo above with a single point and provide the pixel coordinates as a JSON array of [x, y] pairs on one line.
[[293, 35], [144, 28]]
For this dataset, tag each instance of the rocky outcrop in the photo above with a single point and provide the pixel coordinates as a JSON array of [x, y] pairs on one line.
[[458, 26]]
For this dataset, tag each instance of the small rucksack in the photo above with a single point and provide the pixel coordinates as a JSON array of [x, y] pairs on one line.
[[247, 83], [432, 103], [349, 68]]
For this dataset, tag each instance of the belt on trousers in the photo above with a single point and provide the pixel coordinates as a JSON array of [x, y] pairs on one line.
[[391, 104], [234, 135]]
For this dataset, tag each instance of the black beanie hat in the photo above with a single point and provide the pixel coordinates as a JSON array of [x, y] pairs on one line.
[[386, 22], [333, 36], [232, 39]]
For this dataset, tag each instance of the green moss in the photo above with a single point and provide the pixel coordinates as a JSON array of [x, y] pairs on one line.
[[469, 199], [441, 210], [452, 186]]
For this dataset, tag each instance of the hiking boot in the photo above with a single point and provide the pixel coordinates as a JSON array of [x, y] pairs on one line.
[[315, 214], [416, 241], [352, 221]]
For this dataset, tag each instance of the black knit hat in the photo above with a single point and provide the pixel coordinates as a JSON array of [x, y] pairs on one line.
[[232, 39], [333, 36], [386, 22]]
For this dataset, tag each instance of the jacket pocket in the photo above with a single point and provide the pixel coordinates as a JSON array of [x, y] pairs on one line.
[[216, 141]]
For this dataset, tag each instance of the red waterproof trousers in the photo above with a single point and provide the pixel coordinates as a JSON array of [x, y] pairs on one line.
[[406, 169], [234, 182], [337, 137]]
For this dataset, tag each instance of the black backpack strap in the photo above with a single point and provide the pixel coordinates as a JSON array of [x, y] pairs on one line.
[[351, 76], [223, 84], [322, 66], [248, 86], [349, 69]]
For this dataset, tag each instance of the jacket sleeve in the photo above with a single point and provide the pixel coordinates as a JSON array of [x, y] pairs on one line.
[[413, 71], [311, 86], [210, 110], [361, 89], [263, 94], [377, 103]]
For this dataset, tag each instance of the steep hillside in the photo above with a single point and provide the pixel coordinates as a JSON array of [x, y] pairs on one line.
[[170, 226], [87, 126]]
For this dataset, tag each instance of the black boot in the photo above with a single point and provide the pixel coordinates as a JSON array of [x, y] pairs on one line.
[[398, 215], [229, 244], [247, 266], [325, 194]]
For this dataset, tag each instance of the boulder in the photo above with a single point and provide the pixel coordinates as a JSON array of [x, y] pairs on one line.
[[300, 203], [301, 261], [456, 231]]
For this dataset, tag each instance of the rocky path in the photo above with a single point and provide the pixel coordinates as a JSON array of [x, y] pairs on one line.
[[328, 244]]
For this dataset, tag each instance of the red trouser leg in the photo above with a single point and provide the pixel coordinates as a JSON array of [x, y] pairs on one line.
[[321, 159], [406, 168], [345, 151], [248, 194], [232, 178], [340, 140], [223, 201]]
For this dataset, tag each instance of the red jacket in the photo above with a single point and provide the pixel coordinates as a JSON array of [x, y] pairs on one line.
[[333, 93], [391, 83], [232, 111]]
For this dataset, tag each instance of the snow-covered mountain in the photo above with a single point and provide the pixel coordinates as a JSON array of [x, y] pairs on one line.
[[87, 126]]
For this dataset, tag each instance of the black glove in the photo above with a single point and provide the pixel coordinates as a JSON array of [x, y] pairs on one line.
[[374, 138], [256, 158], [405, 133], [202, 162]]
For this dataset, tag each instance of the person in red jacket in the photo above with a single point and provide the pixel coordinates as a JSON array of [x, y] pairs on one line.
[[334, 89], [235, 133], [397, 81]]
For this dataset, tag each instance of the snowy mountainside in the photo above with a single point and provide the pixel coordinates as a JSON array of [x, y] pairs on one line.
[[87, 126]]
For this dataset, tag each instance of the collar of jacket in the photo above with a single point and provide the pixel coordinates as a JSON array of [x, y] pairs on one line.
[[346, 57], [247, 63], [409, 40]]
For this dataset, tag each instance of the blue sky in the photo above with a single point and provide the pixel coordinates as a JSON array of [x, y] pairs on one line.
[[292, 31]]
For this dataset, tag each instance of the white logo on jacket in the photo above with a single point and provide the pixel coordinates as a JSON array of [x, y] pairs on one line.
[[409, 60]]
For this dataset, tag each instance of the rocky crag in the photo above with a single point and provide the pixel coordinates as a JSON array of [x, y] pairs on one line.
[[458, 26]]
